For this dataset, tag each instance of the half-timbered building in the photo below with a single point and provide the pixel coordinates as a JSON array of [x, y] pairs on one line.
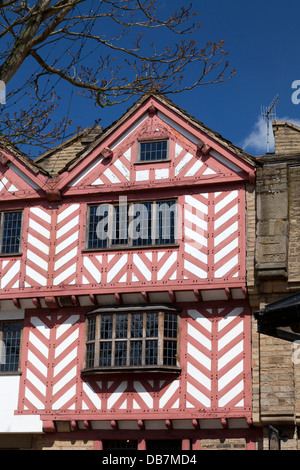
[[124, 319]]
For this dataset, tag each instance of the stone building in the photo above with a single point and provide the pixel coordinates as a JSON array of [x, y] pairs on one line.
[[273, 260]]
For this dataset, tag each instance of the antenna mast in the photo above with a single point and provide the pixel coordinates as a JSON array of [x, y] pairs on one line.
[[269, 114]]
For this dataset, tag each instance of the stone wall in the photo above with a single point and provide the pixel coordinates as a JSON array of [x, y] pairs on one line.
[[276, 274], [287, 138]]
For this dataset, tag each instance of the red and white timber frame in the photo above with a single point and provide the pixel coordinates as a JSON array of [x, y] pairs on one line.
[[57, 281]]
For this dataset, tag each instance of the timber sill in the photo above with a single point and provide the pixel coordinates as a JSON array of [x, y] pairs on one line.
[[132, 370]]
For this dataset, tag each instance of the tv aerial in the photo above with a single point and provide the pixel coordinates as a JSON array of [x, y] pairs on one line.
[[269, 113]]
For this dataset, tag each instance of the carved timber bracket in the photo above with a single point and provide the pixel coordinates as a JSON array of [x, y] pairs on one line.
[[53, 195]]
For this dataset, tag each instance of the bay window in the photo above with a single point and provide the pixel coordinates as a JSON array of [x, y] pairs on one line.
[[133, 338]]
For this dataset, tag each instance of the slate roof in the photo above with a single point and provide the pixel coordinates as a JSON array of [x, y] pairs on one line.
[[55, 160]]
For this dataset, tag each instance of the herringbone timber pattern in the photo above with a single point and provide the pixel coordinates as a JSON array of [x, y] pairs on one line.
[[199, 359], [214, 358], [117, 173], [38, 247], [7, 186], [10, 274], [66, 248], [188, 166], [51, 363], [36, 364], [142, 267], [231, 352], [92, 269], [65, 364], [132, 395], [226, 234], [196, 236]]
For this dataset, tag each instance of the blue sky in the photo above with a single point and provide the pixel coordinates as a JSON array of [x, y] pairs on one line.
[[262, 39]]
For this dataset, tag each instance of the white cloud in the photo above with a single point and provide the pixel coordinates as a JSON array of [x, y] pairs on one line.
[[256, 141]]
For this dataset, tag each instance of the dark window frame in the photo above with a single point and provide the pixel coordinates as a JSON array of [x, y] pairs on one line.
[[11, 370], [162, 361], [111, 243], [153, 151], [18, 235]]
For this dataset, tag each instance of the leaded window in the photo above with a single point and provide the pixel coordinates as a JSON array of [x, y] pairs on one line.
[[10, 343], [132, 339], [154, 150], [125, 224], [10, 232]]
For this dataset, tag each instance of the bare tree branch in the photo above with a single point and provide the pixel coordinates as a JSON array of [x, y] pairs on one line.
[[61, 37]]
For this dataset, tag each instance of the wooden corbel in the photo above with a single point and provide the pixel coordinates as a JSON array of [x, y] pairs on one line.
[[75, 300], [49, 426], [118, 298], [141, 424], [53, 195], [195, 423], [204, 148], [172, 296], [251, 177], [4, 159], [17, 303], [146, 297], [51, 302], [168, 424], [152, 111], [224, 423], [73, 425], [106, 153], [197, 294], [87, 424], [36, 302], [114, 425], [228, 293], [93, 299], [245, 292]]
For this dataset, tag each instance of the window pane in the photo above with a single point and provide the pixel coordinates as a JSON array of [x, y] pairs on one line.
[[121, 326], [156, 150], [170, 353], [165, 222], [91, 329], [170, 325], [132, 224], [136, 353], [120, 353], [10, 347], [11, 232], [132, 339], [120, 225], [151, 352], [152, 325], [106, 327], [105, 354], [98, 226], [136, 325], [141, 224], [90, 354]]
